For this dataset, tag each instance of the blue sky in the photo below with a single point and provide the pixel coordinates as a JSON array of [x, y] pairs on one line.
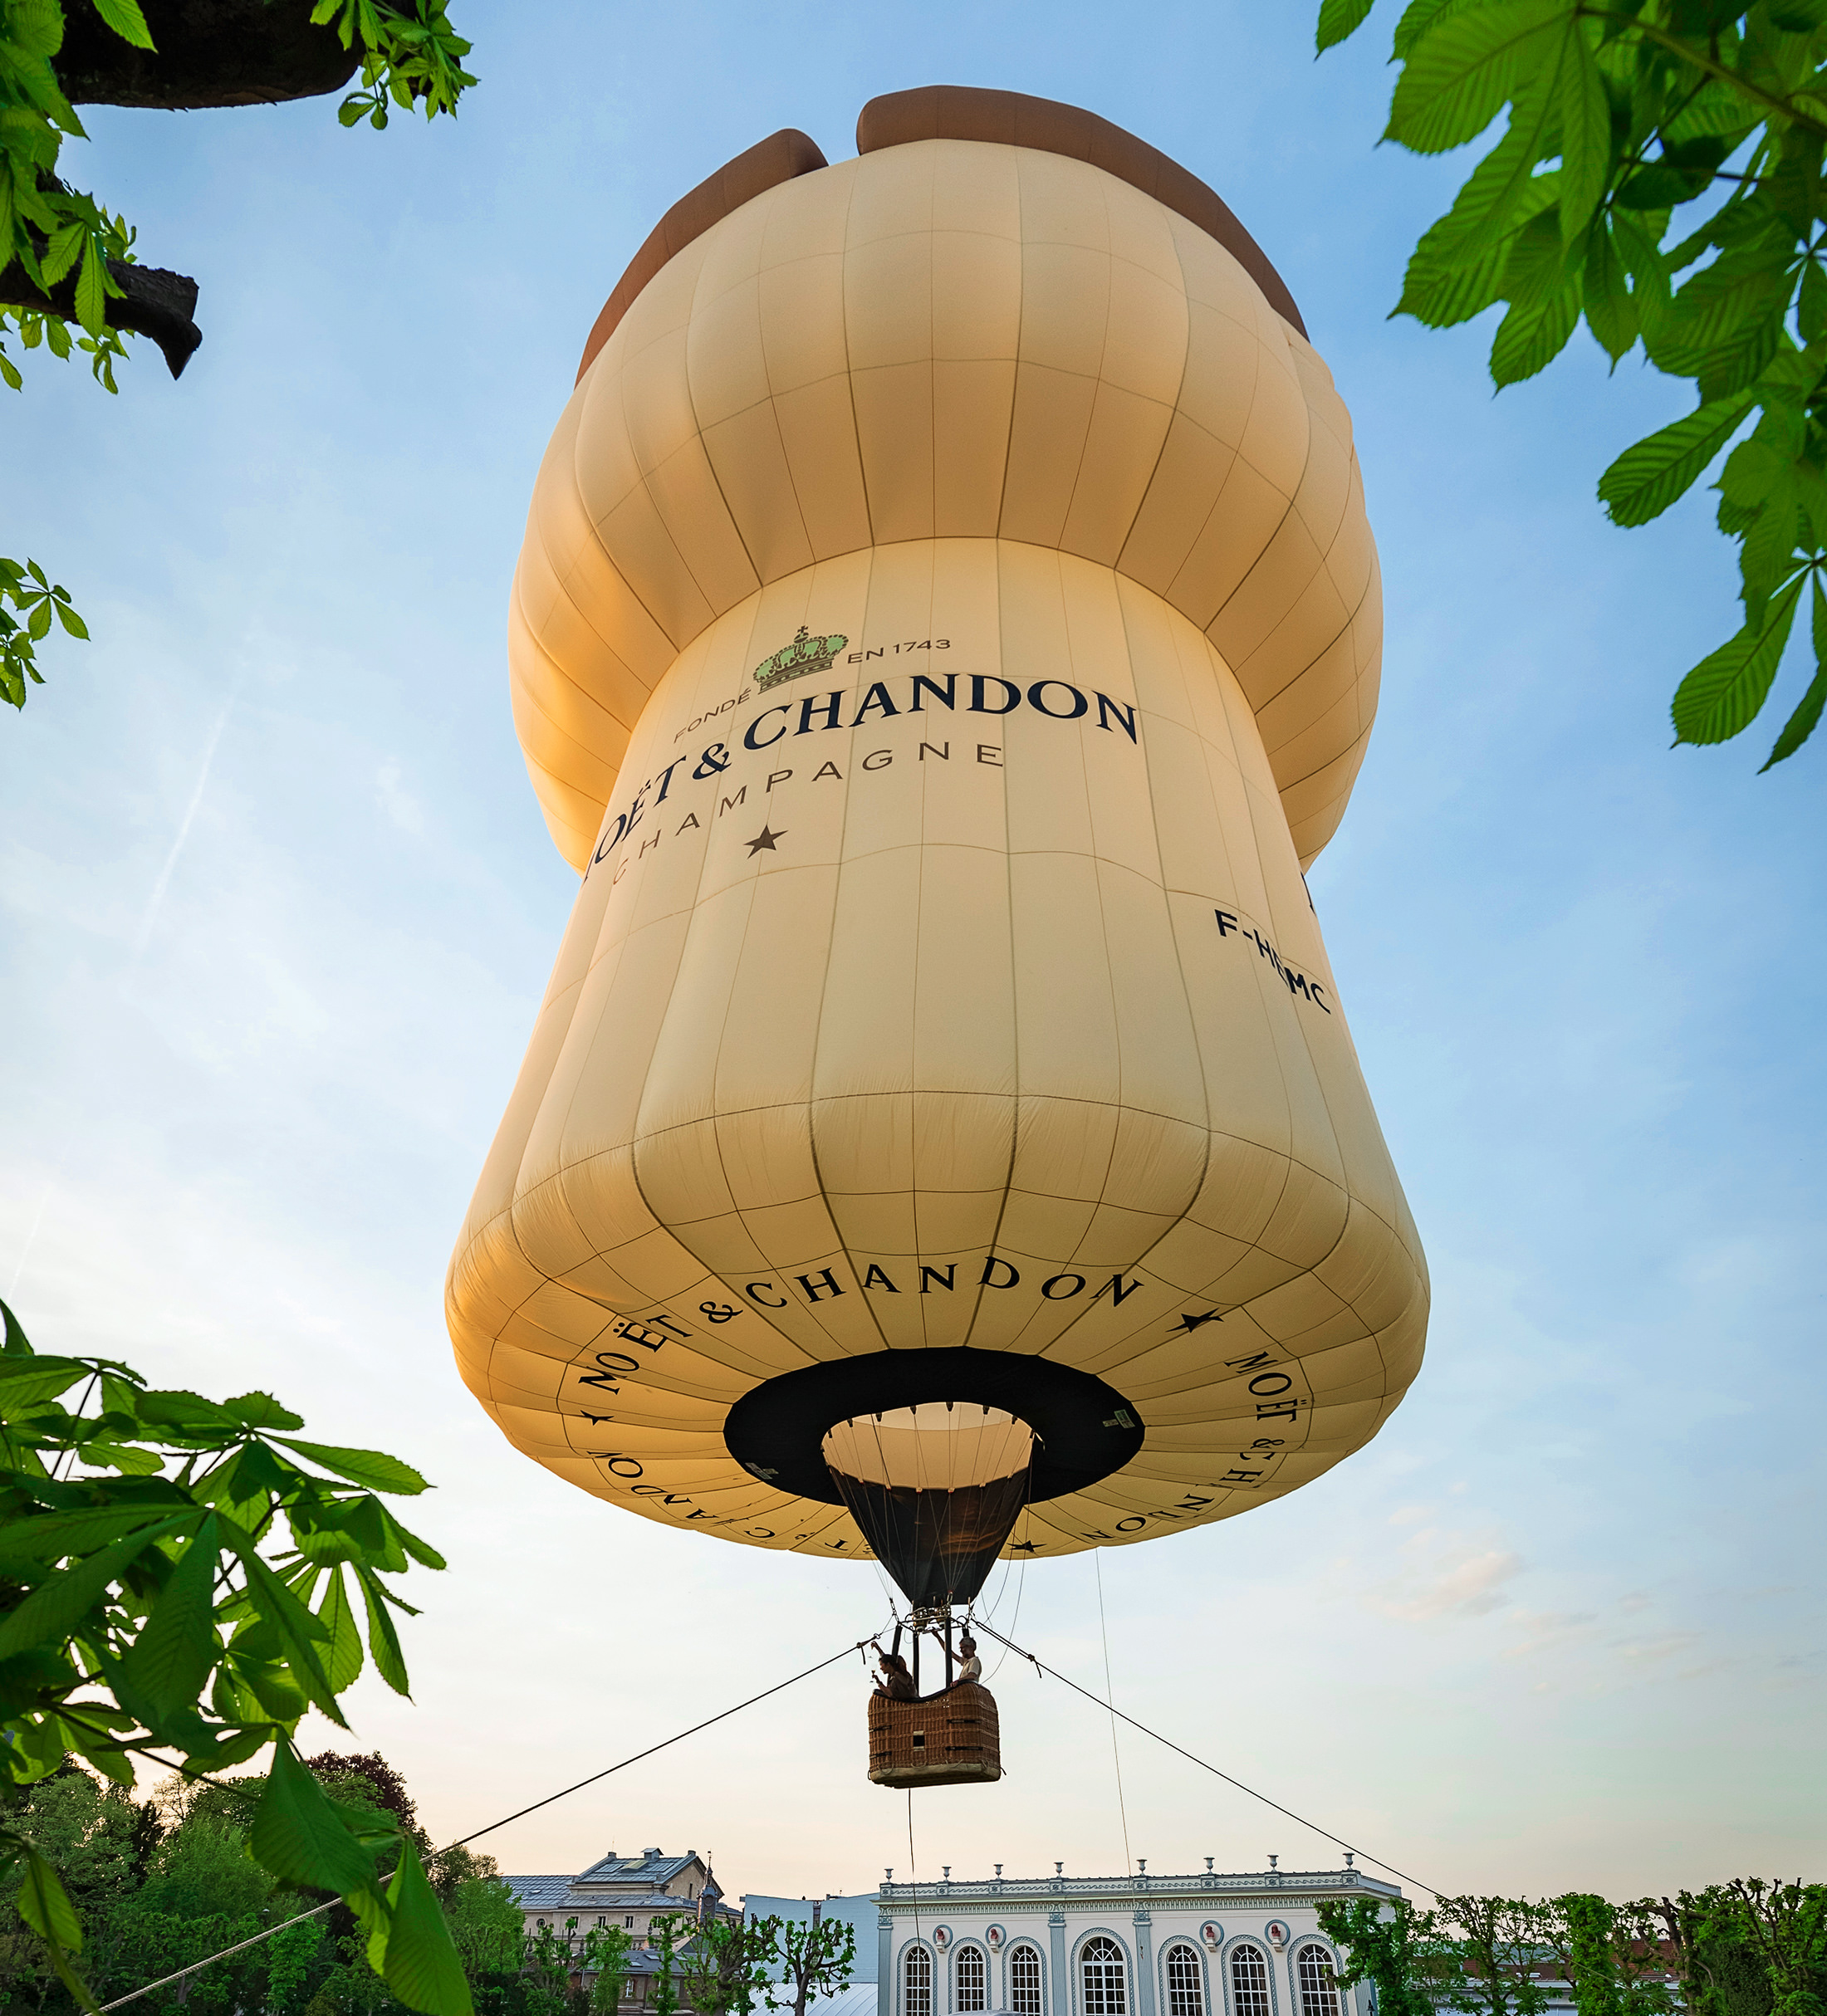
[[277, 906]]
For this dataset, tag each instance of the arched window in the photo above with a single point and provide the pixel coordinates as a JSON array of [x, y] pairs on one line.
[[916, 1983], [1024, 1981], [969, 1976], [1319, 1988], [1101, 1970], [1249, 1982], [1186, 1988]]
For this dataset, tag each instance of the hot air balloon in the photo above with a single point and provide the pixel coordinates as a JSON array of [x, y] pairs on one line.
[[947, 627]]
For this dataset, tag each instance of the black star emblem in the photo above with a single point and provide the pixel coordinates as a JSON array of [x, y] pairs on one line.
[[764, 838], [1193, 1323], [1022, 1547]]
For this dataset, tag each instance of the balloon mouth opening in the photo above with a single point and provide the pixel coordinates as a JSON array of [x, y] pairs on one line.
[[936, 1489], [944, 1445], [937, 1509]]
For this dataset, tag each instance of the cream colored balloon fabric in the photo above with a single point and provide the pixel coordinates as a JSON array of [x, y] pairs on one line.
[[965, 992]]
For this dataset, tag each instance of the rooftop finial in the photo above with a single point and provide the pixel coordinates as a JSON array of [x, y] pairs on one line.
[[1209, 1865], [1271, 1862]]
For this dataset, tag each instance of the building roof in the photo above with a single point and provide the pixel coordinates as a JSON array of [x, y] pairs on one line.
[[650, 1867], [1288, 1885], [536, 1893]]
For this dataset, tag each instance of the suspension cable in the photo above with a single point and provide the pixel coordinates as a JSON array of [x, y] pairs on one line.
[[595, 1778], [1116, 1754], [1299, 1819]]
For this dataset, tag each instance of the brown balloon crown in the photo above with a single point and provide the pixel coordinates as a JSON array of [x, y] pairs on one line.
[[805, 654]]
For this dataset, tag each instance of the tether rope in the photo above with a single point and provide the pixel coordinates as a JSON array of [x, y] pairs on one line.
[[1288, 1812], [1110, 1688], [463, 1840]]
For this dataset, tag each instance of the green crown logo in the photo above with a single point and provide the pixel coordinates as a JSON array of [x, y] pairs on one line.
[[804, 654]]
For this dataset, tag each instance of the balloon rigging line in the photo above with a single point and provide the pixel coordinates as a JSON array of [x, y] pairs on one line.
[[298, 1917], [1326, 1834], [1116, 1754]]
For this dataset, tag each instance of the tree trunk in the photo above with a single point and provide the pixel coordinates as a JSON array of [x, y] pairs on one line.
[[156, 304], [209, 52]]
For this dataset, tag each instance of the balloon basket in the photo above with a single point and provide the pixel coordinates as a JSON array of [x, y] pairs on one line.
[[951, 1737]]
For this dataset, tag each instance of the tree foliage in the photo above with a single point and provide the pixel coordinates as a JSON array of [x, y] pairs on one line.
[[1620, 115], [815, 1958], [64, 255], [164, 1883], [188, 1576], [1741, 1949]]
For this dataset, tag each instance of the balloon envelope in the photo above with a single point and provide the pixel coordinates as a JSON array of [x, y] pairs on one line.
[[948, 624]]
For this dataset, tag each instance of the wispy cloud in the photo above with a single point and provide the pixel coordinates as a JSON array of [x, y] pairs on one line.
[[1458, 1579], [397, 802], [164, 883]]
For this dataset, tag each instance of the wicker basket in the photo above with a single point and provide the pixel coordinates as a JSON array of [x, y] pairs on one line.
[[953, 1737]]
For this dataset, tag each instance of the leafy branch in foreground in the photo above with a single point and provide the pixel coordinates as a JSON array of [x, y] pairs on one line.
[[37, 599], [67, 264], [1620, 115], [177, 1572]]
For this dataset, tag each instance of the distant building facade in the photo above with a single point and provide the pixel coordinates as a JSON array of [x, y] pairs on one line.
[[860, 1913], [1141, 1945], [625, 1889]]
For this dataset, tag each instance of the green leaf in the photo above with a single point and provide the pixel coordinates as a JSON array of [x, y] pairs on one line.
[[300, 1836], [1611, 314], [1339, 18], [61, 253], [344, 1660], [261, 1410], [72, 622], [367, 1467], [1463, 68], [1416, 18], [16, 1345], [175, 1408], [55, 1608], [92, 290], [57, 1533], [299, 1631], [1811, 306], [1529, 339], [45, 1905], [123, 1456], [124, 17], [164, 1669], [27, 1379], [382, 1640], [421, 1551], [1648, 476], [1585, 132], [37, 26], [1752, 472], [1720, 697], [420, 1963], [1803, 722], [1769, 547]]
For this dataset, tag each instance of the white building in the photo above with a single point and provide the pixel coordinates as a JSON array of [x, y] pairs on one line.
[[1141, 1945]]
